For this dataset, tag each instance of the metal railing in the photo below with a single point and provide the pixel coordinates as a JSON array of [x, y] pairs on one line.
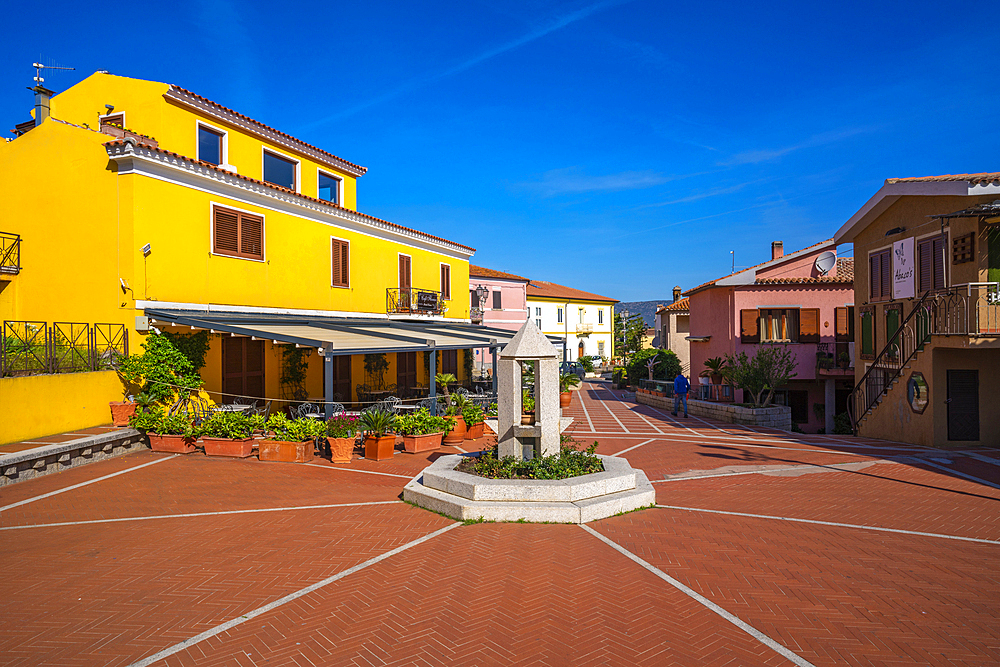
[[969, 309], [10, 253], [410, 301], [34, 348], [719, 393]]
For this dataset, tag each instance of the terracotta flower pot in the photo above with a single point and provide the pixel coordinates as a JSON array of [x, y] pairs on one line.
[[239, 449], [175, 444], [457, 435], [565, 398], [474, 432], [121, 412], [527, 418], [414, 444], [379, 449], [341, 449], [286, 452]]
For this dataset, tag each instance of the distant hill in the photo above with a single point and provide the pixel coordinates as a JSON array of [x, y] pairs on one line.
[[645, 308]]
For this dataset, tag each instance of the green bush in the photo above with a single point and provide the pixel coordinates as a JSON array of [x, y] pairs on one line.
[[159, 369], [569, 462], [421, 423], [294, 430], [668, 368], [235, 425], [842, 424], [378, 423], [158, 422], [587, 363], [343, 426], [472, 414]]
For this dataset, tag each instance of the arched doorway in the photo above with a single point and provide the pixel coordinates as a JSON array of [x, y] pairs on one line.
[[580, 348]]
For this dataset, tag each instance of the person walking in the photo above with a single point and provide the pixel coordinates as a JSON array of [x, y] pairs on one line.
[[681, 386]]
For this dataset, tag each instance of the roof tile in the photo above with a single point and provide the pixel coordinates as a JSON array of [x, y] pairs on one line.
[[973, 179], [483, 272], [544, 289]]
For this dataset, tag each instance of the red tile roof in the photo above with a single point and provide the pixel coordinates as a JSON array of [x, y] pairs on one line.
[[547, 290], [268, 128], [845, 276], [483, 272], [974, 179], [845, 268], [711, 283], [680, 304], [123, 142]]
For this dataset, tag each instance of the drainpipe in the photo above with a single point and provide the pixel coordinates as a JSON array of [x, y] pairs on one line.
[[566, 325]]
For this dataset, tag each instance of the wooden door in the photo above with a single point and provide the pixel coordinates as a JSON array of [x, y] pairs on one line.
[[406, 372], [242, 368], [963, 405], [342, 378], [404, 282]]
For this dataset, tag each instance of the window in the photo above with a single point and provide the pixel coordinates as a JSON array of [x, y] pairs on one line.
[[749, 331], [779, 325], [341, 253], [664, 340], [844, 327], [449, 362], [446, 282], [329, 188], [930, 264], [209, 145], [880, 275], [406, 370], [963, 249], [538, 312], [581, 315], [538, 323], [243, 366], [117, 119], [237, 234], [809, 325], [279, 170], [497, 303], [600, 316], [868, 333], [559, 315], [600, 348]]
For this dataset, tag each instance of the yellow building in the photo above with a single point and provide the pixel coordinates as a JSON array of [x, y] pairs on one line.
[[131, 206], [583, 320]]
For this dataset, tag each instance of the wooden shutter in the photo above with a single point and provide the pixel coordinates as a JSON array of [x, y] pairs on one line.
[[963, 249], [886, 270], [446, 282], [497, 301], [925, 266], [251, 236], [809, 325], [227, 232], [749, 331], [404, 272], [938, 250], [341, 263], [868, 334], [844, 324]]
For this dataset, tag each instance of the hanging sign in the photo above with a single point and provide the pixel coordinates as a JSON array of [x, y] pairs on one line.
[[903, 269], [427, 301]]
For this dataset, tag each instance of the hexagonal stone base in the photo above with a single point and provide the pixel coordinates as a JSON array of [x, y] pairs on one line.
[[441, 488]]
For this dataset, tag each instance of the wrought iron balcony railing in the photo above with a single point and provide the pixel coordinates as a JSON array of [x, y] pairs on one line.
[[10, 253], [413, 302], [33, 348]]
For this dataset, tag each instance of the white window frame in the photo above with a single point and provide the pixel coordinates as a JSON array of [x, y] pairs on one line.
[[225, 145], [538, 323], [582, 311], [211, 232], [298, 167], [340, 186], [350, 263]]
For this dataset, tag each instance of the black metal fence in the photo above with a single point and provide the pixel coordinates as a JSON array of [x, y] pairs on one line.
[[10, 253], [423, 301], [35, 348]]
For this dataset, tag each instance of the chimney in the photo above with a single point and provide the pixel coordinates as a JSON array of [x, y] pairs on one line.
[[777, 250], [42, 97], [677, 293]]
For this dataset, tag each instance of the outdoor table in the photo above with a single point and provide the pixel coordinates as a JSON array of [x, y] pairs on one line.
[[231, 407], [407, 406]]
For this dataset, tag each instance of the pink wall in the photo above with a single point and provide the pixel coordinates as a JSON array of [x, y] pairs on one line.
[[514, 302]]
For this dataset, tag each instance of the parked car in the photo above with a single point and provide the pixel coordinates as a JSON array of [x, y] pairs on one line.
[[574, 367]]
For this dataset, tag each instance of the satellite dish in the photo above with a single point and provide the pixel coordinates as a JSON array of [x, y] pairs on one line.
[[825, 262]]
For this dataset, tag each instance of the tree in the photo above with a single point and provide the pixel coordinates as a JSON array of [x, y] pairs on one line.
[[772, 367], [667, 367], [628, 335]]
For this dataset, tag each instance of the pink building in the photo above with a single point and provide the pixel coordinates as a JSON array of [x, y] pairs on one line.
[[805, 300], [498, 300]]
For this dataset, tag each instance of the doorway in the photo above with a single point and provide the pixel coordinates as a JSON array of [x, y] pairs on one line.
[[580, 351], [963, 405], [242, 368]]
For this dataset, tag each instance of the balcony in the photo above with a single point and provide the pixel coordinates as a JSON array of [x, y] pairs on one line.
[[10, 253], [413, 302], [584, 329]]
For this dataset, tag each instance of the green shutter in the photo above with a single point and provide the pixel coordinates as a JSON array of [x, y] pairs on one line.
[[867, 334]]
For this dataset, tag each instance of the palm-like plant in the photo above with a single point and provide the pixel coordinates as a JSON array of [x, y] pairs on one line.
[[567, 381], [377, 422], [443, 380], [716, 366]]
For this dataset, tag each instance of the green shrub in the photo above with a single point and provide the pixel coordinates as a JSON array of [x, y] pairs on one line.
[[234, 425], [377, 422], [421, 423], [159, 370], [472, 413], [569, 462], [158, 422], [343, 426], [667, 368], [294, 430], [587, 363], [567, 381], [842, 424]]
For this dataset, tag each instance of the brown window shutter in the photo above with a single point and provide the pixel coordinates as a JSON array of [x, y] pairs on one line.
[[404, 272], [886, 275], [842, 327], [251, 236], [925, 265], [809, 325], [445, 282], [749, 333], [226, 232], [336, 270], [874, 287], [345, 264], [939, 262]]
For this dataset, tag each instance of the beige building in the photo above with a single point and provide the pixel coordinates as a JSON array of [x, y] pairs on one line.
[[673, 322], [583, 319], [926, 313]]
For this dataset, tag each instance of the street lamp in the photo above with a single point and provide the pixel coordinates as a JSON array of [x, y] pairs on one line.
[[481, 293]]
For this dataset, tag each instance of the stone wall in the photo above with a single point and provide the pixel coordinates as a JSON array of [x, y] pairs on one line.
[[776, 416], [31, 463]]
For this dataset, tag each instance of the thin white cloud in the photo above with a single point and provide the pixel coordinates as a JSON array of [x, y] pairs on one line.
[[766, 155], [572, 181], [705, 194], [557, 24]]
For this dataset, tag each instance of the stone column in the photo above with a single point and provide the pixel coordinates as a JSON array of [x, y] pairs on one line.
[[830, 402], [547, 405], [508, 376]]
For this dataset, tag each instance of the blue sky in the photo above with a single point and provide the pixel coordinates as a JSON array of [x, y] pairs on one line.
[[618, 147]]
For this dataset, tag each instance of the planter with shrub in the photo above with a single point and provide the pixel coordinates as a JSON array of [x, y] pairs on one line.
[[174, 434], [230, 434], [456, 404], [341, 433], [566, 383], [380, 438], [472, 414], [290, 440], [422, 432], [527, 409]]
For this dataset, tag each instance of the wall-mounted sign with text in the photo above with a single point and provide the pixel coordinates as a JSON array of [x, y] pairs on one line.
[[903, 269]]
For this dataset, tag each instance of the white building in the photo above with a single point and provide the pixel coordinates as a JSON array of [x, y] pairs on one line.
[[673, 327], [585, 320]]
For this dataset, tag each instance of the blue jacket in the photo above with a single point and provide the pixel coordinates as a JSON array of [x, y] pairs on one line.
[[681, 385]]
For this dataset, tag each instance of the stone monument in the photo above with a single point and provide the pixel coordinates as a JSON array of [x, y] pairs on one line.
[[541, 438]]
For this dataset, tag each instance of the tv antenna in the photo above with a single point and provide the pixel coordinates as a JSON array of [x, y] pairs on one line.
[[38, 71]]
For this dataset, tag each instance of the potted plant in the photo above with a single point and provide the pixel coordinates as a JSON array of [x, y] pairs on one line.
[[472, 414], [492, 411], [844, 359], [230, 434], [380, 441], [454, 412], [716, 369], [175, 434], [289, 440], [341, 432], [422, 432], [566, 383], [443, 380], [527, 409]]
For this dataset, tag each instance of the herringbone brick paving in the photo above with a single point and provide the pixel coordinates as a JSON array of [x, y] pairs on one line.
[[112, 593]]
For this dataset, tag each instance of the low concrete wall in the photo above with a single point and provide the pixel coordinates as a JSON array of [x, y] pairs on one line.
[[19, 466], [37, 405], [776, 416]]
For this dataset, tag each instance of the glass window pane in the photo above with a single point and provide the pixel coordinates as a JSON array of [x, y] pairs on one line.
[[209, 146], [329, 188], [279, 171]]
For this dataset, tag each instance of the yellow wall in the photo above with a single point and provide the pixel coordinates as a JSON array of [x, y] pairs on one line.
[[38, 405], [175, 127]]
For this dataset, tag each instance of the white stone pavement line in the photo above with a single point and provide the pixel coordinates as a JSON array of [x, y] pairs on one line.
[[978, 480], [586, 413], [639, 414], [369, 472], [228, 625], [841, 443], [833, 523], [675, 421], [685, 439], [772, 469], [197, 514], [634, 447], [77, 486], [613, 415], [701, 599]]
